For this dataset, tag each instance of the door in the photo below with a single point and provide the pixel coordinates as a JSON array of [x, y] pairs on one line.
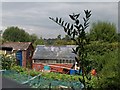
[[19, 57]]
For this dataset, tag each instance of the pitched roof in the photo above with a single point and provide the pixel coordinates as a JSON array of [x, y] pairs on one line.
[[17, 45], [53, 52]]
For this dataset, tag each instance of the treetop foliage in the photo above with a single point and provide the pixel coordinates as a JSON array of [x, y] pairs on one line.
[[15, 34], [103, 31]]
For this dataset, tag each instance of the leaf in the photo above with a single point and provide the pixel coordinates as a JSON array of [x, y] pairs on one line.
[[88, 15], [86, 24], [86, 12], [84, 19], [72, 17], [69, 32], [60, 20], [65, 29], [51, 18], [77, 22], [62, 23], [77, 27], [77, 15], [68, 25], [65, 24], [56, 19], [81, 26], [71, 27], [89, 12], [73, 33], [77, 48], [74, 51]]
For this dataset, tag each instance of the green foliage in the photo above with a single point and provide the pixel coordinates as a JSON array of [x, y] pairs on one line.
[[51, 75], [97, 47], [77, 33], [62, 77], [33, 73], [15, 34], [23, 70], [118, 37], [103, 31], [33, 38], [39, 41], [107, 70], [7, 61], [18, 69]]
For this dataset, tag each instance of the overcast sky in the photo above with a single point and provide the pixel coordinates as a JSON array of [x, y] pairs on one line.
[[34, 16]]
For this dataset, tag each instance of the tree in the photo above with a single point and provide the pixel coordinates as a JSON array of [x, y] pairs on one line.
[[103, 31], [33, 38], [39, 41], [16, 34], [77, 33]]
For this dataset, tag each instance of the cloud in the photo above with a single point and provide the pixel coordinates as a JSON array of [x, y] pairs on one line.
[[59, 1], [34, 15]]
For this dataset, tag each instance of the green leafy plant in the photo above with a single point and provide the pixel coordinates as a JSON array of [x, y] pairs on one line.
[[7, 61], [76, 32]]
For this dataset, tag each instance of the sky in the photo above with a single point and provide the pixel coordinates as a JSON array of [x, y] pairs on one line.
[[33, 17]]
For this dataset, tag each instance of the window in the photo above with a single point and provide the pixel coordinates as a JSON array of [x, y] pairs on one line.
[[66, 61], [60, 60]]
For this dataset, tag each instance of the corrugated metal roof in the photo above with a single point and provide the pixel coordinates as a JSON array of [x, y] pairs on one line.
[[53, 52]]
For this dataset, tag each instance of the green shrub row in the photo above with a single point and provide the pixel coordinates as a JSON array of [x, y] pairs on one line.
[[23, 70], [51, 75]]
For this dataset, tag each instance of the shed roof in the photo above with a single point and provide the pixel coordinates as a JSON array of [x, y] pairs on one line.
[[53, 52], [17, 45]]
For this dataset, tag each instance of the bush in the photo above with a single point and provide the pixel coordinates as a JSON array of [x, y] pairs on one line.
[[33, 73], [18, 69], [62, 77], [7, 61], [107, 71]]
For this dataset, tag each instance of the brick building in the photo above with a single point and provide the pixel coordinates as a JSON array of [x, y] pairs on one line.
[[23, 52]]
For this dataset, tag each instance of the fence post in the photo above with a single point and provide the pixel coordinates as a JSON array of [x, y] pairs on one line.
[[50, 86]]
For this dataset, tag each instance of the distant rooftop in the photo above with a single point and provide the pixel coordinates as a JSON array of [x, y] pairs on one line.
[[16, 45], [54, 52]]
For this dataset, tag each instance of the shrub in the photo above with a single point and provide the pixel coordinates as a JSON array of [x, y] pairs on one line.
[[18, 69], [7, 61], [108, 74]]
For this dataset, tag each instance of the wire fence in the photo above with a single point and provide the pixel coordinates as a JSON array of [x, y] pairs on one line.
[[42, 82]]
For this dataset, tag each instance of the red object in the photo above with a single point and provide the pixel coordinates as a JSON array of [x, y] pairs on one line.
[[61, 68], [93, 72]]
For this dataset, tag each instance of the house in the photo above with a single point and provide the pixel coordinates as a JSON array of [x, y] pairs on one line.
[[58, 58], [23, 51]]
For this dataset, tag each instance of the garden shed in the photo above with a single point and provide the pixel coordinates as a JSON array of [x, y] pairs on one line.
[[23, 51], [57, 57]]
